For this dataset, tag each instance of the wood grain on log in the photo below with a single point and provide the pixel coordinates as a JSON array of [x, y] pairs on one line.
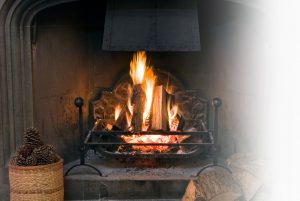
[[138, 102], [159, 109], [247, 170], [213, 184]]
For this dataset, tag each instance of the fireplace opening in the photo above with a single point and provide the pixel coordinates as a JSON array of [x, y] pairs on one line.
[[150, 113], [68, 62], [55, 54]]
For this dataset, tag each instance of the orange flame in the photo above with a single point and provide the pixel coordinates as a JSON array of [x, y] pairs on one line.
[[142, 74], [118, 110], [129, 106], [172, 112], [149, 85], [138, 67]]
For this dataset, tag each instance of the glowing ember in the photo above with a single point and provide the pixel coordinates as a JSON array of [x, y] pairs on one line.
[[144, 139]]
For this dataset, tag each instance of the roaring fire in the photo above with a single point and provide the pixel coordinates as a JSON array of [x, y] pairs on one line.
[[143, 74]]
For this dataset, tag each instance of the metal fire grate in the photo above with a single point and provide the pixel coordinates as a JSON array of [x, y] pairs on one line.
[[209, 141], [203, 143]]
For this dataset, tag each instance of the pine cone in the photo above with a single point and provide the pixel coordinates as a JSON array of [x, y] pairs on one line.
[[45, 154], [18, 160], [31, 160], [32, 137], [24, 151], [43, 151], [52, 158], [13, 160]]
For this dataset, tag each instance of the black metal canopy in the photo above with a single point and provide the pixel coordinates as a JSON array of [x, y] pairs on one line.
[[151, 25]]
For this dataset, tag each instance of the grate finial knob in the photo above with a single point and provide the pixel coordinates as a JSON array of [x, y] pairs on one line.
[[78, 102], [216, 102]]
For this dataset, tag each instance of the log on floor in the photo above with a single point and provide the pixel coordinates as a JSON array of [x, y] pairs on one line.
[[214, 184]]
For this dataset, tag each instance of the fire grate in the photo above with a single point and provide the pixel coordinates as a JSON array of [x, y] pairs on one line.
[[209, 143], [149, 114], [193, 148]]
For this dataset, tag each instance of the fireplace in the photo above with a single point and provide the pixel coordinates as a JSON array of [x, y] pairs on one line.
[[52, 54]]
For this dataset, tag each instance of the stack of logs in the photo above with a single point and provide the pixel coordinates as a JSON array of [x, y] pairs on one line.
[[192, 111], [156, 120]]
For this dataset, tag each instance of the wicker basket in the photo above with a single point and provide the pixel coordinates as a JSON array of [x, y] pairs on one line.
[[37, 183]]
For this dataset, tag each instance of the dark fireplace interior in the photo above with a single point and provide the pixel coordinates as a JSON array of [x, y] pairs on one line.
[[68, 62]]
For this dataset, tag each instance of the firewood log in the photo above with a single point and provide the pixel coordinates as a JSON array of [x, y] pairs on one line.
[[213, 184], [159, 109], [138, 101]]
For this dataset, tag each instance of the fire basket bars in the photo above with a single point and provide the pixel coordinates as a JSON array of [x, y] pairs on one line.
[[209, 141]]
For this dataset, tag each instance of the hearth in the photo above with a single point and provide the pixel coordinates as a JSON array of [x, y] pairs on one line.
[[149, 115]]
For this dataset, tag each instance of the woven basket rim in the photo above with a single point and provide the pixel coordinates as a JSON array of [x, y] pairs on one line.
[[16, 167]]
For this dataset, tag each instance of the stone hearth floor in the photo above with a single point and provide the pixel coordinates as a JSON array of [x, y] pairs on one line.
[[138, 180]]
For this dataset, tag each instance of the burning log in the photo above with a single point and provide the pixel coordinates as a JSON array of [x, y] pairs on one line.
[[159, 109], [137, 100], [120, 117]]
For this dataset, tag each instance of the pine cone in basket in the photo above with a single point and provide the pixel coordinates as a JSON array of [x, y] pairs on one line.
[[45, 154], [31, 160], [18, 160], [52, 158], [32, 137], [25, 151]]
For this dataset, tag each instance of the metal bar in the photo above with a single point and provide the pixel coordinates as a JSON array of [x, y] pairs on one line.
[[147, 144], [87, 165], [86, 141], [216, 102], [79, 103], [151, 133], [150, 155]]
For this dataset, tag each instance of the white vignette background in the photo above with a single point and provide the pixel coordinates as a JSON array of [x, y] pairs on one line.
[[280, 92]]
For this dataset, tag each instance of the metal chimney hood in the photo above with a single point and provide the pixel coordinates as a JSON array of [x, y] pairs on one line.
[[151, 25]]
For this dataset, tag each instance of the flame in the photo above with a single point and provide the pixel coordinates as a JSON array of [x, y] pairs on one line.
[[172, 112], [118, 110], [142, 74], [138, 67], [129, 105], [149, 85]]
